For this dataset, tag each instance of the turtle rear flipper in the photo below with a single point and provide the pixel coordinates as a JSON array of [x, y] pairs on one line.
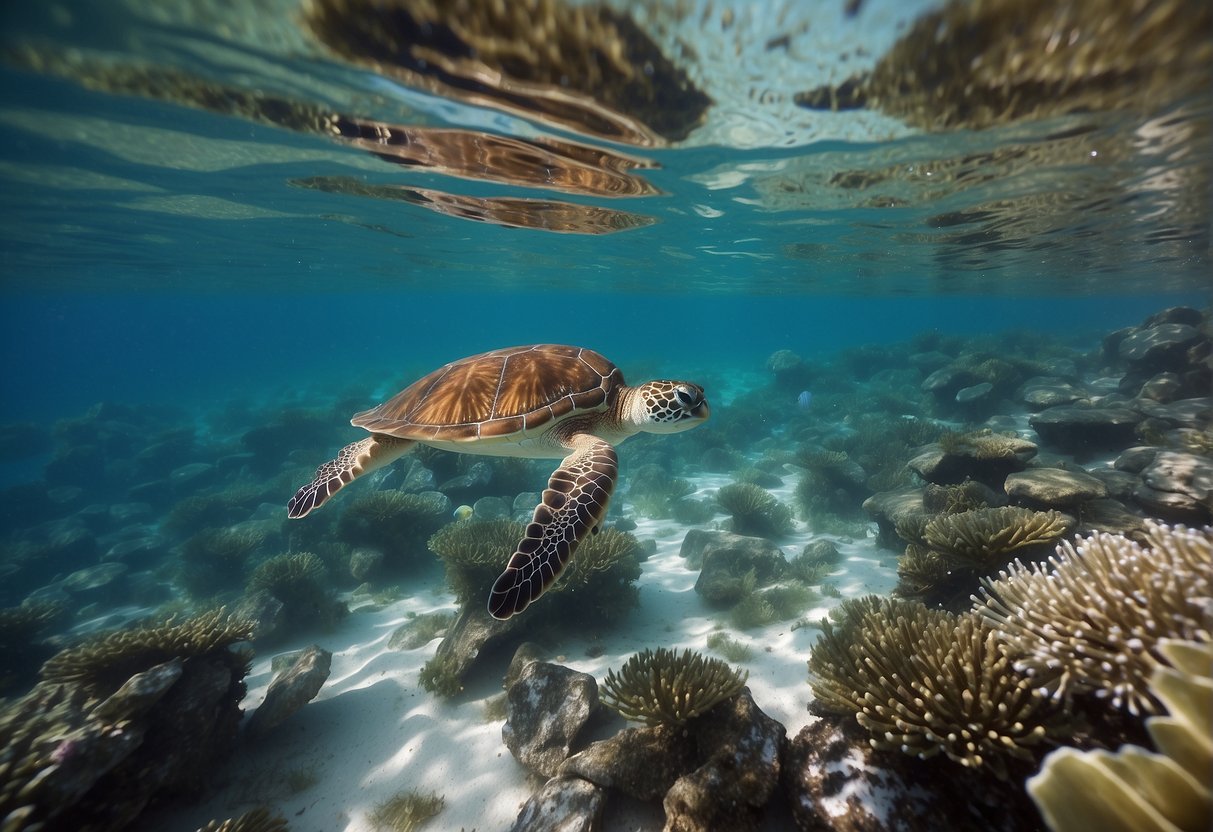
[[573, 504], [353, 461]]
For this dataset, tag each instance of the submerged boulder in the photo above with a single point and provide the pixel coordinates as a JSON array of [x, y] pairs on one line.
[[547, 706]]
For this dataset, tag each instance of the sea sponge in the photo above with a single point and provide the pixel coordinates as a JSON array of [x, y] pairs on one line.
[[755, 511], [1091, 618], [1135, 789], [667, 687], [984, 539], [926, 681], [101, 664]]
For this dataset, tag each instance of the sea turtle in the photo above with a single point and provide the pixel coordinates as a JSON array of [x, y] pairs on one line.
[[538, 401]]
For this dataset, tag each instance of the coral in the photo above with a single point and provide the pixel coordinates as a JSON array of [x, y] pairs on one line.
[[984, 539], [257, 820], [730, 648], [953, 499], [394, 522], [104, 662], [981, 444], [653, 491], [754, 510], [406, 811], [214, 560], [300, 582], [665, 687], [925, 681], [440, 676], [923, 575], [779, 603], [1091, 619], [598, 583], [1135, 789]]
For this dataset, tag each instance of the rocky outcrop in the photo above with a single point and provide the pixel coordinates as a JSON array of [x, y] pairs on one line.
[[1053, 488], [292, 689], [726, 558], [546, 709], [564, 804], [1084, 430]]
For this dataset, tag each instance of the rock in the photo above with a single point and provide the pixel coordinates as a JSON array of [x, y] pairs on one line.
[[564, 804], [193, 475], [1040, 392], [104, 583], [726, 558], [1085, 429], [1134, 460], [1053, 487], [264, 610], [1188, 478], [1162, 346], [416, 478], [888, 507], [624, 524], [137, 552], [1109, 516], [946, 381], [1175, 315], [140, 692], [823, 551], [974, 394], [836, 782], [1164, 387], [640, 762], [491, 508], [125, 514], [292, 689], [477, 475], [472, 633], [1186, 413], [743, 747], [1120, 484], [967, 461], [363, 562], [524, 654], [546, 708]]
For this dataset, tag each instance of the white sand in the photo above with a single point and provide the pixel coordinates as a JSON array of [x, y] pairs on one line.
[[373, 732]]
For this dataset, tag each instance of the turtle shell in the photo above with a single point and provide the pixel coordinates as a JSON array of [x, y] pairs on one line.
[[497, 394]]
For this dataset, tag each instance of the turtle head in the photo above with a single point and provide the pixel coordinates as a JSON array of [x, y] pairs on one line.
[[669, 406]]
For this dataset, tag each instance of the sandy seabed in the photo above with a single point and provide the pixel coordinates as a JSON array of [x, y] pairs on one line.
[[373, 732]]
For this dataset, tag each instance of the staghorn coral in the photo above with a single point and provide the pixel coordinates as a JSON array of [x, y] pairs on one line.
[[257, 820], [1091, 619], [666, 687], [101, 664], [1135, 789], [754, 510], [925, 681], [984, 539]]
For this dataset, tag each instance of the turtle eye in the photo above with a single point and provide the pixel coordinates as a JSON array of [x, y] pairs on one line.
[[685, 397]]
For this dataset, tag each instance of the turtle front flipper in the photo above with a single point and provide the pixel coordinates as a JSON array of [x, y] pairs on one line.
[[572, 505], [353, 461]]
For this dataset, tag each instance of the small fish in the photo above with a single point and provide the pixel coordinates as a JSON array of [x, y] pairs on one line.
[[463, 512], [804, 399]]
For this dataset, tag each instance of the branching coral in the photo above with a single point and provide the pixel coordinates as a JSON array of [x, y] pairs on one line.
[[665, 687], [1135, 789], [102, 664], [926, 681], [984, 539], [755, 511], [1091, 619]]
